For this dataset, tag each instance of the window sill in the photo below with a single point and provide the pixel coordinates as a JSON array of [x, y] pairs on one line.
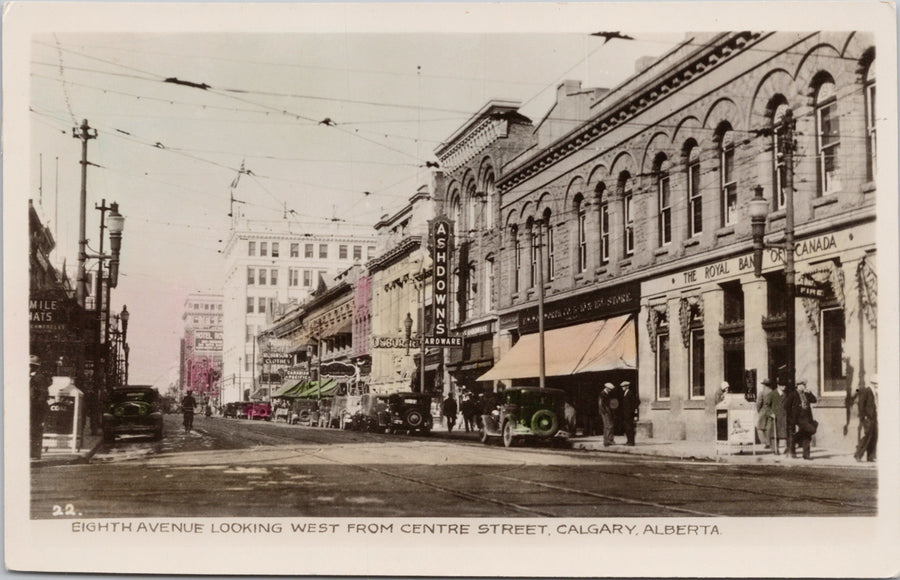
[[825, 200], [660, 405], [725, 231], [695, 404], [625, 263], [579, 277], [695, 241], [869, 187], [832, 401], [601, 270], [661, 251]]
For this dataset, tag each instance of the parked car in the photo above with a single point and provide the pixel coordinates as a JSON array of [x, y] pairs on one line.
[[232, 410], [526, 413], [410, 412], [133, 410], [256, 410], [343, 408], [373, 414]]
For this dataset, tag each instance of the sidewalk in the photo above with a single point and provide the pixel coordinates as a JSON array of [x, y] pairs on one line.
[[90, 445], [710, 451]]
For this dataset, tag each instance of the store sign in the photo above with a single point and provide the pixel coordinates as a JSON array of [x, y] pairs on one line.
[[804, 291], [440, 256], [278, 359], [595, 305], [208, 340], [394, 342], [451, 341], [338, 369], [47, 312]]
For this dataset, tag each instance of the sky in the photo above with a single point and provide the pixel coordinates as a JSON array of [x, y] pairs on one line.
[[315, 120]]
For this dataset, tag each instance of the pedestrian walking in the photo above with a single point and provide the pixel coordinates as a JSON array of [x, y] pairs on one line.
[[450, 411], [630, 406], [799, 413], [867, 405], [761, 423], [790, 401], [187, 408], [606, 403], [569, 414], [39, 382], [773, 413], [468, 412]]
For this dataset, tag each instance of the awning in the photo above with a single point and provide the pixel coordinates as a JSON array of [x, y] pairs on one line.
[[603, 345], [315, 389], [285, 390]]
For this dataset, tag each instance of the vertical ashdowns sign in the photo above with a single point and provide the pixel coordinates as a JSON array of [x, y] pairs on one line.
[[440, 255]]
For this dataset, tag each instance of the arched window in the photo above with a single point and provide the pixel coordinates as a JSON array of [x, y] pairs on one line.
[[664, 199], [828, 137], [870, 121], [694, 193], [551, 247], [517, 258], [490, 194], [581, 234], [533, 254], [603, 215], [487, 290], [456, 214], [779, 169], [728, 184], [626, 187], [471, 201]]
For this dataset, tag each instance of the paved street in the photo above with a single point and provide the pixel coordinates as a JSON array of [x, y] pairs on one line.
[[230, 467]]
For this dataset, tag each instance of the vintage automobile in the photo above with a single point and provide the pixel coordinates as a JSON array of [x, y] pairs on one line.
[[410, 412], [526, 413], [257, 410], [343, 408], [232, 410], [373, 414], [133, 411]]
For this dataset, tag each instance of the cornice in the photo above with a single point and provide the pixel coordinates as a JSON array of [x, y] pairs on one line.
[[405, 246], [643, 98]]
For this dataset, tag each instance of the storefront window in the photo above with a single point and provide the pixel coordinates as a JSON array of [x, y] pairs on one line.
[[662, 367], [696, 353], [832, 350]]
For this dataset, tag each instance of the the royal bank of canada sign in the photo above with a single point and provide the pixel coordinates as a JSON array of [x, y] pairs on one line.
[[441, 229]]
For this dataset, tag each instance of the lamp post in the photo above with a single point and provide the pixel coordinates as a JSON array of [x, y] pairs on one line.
[[407, 324], [124, 316]]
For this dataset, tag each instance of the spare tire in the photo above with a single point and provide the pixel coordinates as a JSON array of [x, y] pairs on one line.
[[414, 418], [544, 423]]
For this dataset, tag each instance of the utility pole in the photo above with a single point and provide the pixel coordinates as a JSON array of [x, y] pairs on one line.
[[85, 133], [787, 151], [542, 361]]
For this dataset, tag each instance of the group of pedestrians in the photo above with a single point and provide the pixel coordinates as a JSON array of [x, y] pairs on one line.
[[471, 408], [624, 399], [785, 412]]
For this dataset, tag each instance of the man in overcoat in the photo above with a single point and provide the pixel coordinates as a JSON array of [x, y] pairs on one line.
[[773, 412], [606, 402], [39, 382], [630, 405], [867, 404]]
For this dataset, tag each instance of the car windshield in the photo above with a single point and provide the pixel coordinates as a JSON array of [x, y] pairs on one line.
[[143, 395]]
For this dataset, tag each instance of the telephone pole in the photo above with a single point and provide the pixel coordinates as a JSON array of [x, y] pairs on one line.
[[787, 151], [85, 133]]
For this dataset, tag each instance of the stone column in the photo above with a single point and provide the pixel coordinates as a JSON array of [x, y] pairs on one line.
[[678, 374], [713, 359], [756, 349]]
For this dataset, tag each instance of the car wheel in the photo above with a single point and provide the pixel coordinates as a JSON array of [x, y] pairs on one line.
[[544, 423], [508, 437], [414, 419]]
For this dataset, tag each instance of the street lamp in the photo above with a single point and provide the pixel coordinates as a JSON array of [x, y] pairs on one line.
[[124, 316], [759, 210], [407, 324], [115, 224]]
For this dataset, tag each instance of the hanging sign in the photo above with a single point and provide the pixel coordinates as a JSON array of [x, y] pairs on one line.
[[440, 255]]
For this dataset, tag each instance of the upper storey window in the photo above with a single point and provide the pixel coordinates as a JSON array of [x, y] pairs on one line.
[[695, 195], [828, 138], [729, 179], [870, 122]]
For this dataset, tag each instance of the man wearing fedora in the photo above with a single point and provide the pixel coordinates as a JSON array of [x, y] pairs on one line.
[[630, 405], [39, 383], [607, 402], [762, 421], [867, 404]]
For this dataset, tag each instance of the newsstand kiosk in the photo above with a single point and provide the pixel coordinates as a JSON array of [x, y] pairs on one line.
[[735, 424], [64, 422]]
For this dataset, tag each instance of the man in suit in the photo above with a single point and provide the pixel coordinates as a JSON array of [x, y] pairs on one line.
[[867, 404], [606, 405], [799, 412], [39, 383], [630, 404], [773, 412], [790, 400], [762, 421]]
